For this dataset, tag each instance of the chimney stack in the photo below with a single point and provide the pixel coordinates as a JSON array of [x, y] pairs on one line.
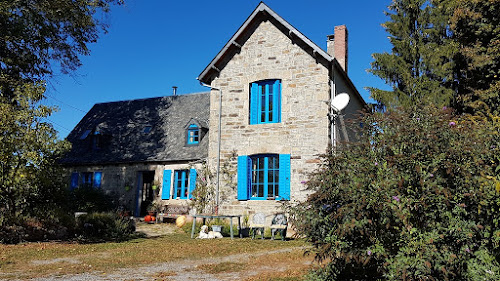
[[337, 45], [174, 90]]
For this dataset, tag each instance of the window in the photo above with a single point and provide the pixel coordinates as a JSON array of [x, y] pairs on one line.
[[85, 134], [184, 184], [181, 184], [86, 179], [147, 129], [264, 177], [193, 135], [265, 102]]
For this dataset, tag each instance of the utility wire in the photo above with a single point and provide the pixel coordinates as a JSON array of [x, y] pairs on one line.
[[58, 125], [65, 103]]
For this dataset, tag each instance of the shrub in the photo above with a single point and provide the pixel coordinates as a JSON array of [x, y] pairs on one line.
[[416, 198], [88, 199], [104, 227]]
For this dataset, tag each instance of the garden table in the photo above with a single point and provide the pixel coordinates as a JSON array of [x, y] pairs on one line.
[[230, 217]]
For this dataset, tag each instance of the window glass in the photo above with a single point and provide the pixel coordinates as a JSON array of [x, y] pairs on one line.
[[181, 184], [265, 99], [265, 177]]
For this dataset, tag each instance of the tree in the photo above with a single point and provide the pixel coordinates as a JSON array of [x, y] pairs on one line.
[[416, 198], [418, 68], [475, 25], [35, 34]]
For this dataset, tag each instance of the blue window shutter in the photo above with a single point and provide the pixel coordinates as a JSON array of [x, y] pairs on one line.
[[74, 180], [165, 189], [254, 103], [97, 179], [192, 182], [277, 101], [284, 176], [243, 177]]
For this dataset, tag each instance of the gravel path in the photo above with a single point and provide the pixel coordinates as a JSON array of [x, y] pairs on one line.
[[178, 270]]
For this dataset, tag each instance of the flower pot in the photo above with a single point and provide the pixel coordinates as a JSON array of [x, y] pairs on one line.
[[217, 228], [245, 232]]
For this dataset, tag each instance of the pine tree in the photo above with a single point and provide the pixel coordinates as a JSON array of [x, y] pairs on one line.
[[418, 68], [476, 29]]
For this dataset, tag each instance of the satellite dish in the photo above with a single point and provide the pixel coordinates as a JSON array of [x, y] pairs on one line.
[[339, 102]]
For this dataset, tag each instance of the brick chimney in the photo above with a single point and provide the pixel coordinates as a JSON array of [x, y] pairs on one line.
[[337, 45]]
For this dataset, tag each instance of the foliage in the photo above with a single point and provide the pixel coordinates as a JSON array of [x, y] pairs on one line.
[[33, 36], [36, 33], [419, 66], [30, 179], [88, 199], [445, 52], [417, 198], [204, 193], [104, 227], [476, 28]]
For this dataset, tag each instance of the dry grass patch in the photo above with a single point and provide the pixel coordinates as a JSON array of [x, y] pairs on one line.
[[223, 267], [23, 260]]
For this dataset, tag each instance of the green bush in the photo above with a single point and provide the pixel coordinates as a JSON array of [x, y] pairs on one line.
[[88, 199], [104, 227], [416, 198]]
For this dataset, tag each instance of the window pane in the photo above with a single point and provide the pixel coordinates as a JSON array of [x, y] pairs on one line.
[[261, 190]]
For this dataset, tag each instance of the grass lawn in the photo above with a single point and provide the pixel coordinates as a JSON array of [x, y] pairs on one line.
[[31, 260]]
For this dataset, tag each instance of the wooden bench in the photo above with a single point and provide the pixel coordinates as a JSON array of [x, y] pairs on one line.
[[172, 212]]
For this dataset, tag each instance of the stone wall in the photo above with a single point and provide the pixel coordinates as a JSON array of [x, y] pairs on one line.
[[303, 130], [121, 180]]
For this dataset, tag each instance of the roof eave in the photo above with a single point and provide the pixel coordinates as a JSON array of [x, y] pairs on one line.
[[261, 8]]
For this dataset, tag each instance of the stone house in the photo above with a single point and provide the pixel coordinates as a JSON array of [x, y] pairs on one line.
[[266, 120], [141, 150], [270, 93]]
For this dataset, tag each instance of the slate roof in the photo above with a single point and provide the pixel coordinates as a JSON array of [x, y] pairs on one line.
[[119, 127]]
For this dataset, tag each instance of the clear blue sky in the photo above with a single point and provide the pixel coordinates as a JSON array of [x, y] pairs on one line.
[[152, 45]]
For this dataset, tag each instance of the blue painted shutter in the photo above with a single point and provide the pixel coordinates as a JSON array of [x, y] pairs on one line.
[[277, 101], [165, 189], [74, 180], [284, 176], [254, 103], [138, 195], [243, 177], [97, 179], [176, 179], [192, 182]]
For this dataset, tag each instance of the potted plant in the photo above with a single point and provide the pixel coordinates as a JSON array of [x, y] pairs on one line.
[[245, 226]]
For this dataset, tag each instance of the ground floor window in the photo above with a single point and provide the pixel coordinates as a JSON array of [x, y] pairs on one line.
[[264, 177], [181, 186], [86, 179]]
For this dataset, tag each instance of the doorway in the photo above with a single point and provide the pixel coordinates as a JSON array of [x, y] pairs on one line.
[[145, 192]]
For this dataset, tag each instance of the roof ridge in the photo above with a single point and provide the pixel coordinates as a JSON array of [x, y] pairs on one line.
[[152, 98]]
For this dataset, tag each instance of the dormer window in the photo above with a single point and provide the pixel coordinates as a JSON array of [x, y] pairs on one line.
[[193, 135], [147, 129], [85, 134]]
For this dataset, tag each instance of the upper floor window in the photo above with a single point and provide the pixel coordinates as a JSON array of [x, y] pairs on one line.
[[193, 134], [265, 102]]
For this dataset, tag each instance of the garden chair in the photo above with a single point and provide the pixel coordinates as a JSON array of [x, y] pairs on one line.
[[280, 224], [258, 224]]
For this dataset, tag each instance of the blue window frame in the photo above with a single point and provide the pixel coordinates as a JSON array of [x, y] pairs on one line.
[[265, 102], [181, 178], [86, 179], [193, 135], [264, 177]]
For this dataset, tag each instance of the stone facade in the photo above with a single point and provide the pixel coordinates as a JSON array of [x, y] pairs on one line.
[[303, 131], [121, 181]]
